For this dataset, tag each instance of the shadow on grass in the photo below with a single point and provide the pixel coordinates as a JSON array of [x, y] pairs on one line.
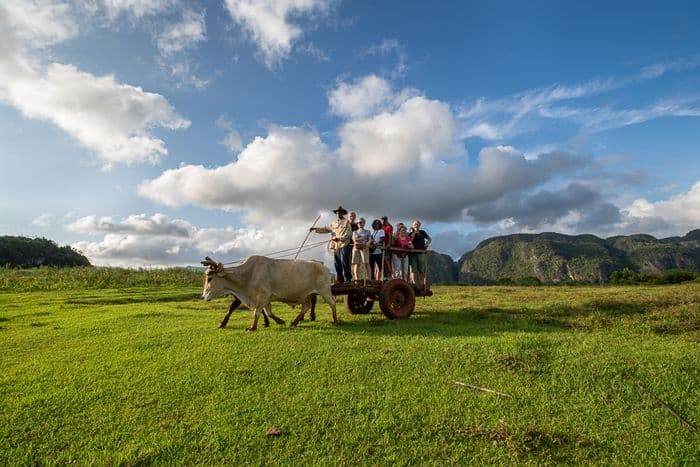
[[125, 300], [488, 321]]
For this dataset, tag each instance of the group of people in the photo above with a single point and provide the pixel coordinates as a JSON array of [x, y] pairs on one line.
[[378, 251]]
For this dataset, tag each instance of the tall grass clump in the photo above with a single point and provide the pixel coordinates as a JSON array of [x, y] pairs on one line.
[[52, 278]]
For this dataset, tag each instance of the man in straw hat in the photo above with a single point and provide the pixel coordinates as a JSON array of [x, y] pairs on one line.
[[341, 231]]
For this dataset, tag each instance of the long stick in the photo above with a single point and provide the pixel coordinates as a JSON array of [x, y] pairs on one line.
[[307, 236], [685, 422], [478, 388]]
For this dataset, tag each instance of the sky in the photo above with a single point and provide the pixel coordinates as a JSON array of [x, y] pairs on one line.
[[150, 133]]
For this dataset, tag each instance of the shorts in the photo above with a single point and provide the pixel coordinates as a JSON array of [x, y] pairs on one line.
[[360, 256], [417, 262]]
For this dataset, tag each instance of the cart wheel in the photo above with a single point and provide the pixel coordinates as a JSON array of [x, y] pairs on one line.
[[357, 303], [397, 299]]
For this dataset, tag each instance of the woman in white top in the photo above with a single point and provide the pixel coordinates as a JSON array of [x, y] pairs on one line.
[[376, 249], [360, 250]]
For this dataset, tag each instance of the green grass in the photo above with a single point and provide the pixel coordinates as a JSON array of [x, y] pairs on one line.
[[60, 279], [142, 375]]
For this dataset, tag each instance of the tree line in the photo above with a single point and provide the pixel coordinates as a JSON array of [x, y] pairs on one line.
[[24, 252]]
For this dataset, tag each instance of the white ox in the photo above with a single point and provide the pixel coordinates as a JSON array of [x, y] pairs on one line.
[[260, 280]]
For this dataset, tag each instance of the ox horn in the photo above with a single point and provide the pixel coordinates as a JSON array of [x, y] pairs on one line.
[[213, 265]]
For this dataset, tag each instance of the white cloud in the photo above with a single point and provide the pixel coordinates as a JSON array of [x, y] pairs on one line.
[[418, 133], [232, 140], [502, 118], [658, 69], [364, 97], [39, 23], [43, 220], [112, 119], [272, 174], [291, 174], [499, 119], [182, 36], [141, 240], [158, 224], [135, 9], [267, 23], [183, 72], [391, 46], [598, 119], [682, 211]]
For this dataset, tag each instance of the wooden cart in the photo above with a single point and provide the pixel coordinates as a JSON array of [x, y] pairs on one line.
[[396, 297]]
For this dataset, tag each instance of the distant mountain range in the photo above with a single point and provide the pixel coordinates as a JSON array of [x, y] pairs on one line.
[[553, 257], [549, 257]]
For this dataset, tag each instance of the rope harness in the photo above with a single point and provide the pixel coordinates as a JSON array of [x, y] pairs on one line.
[[278, 255]]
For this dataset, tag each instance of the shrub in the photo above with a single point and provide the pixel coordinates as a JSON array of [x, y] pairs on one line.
[[530, 281], [676, 276], [625, 277], [671, 276]]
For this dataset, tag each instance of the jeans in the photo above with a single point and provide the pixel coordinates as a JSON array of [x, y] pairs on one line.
[[400, 266], [342, 264]]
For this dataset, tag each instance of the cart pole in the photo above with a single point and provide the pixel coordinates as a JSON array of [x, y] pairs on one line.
[[307, 236]]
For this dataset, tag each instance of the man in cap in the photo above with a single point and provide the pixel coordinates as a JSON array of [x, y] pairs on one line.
[[417, 260], [341, 234]]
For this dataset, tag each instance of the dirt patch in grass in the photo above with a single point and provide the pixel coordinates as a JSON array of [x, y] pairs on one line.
[[529, 356], [530, 362], [530, 440]]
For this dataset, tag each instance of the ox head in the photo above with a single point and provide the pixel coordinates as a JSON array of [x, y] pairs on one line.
[[213, 283]]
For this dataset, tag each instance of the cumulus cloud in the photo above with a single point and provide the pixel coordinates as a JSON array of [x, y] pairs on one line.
[[678, 214], [280, 174], [112, 119], [577, 206], [364, 97], [268, 23], [583, 210], [142, 240], [292, 174], [418, 133]]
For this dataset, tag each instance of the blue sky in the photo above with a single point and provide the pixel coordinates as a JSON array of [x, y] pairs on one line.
[[154, 132]]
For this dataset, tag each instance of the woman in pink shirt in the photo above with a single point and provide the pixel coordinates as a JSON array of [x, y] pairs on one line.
[[400, 258]]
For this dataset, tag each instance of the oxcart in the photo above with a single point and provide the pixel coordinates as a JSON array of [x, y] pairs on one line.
[[396, 297]]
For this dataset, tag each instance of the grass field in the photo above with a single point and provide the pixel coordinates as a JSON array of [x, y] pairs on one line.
[[141, 375]]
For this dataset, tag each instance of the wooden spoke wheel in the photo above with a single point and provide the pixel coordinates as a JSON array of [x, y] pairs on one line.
[[357, 303], [397, 299]]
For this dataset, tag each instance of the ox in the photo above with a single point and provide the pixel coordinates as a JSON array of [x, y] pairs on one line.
[[260, 280]]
